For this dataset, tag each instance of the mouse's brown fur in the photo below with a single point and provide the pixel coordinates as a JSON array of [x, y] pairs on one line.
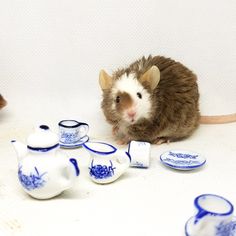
[[175, 102], [2, 102]]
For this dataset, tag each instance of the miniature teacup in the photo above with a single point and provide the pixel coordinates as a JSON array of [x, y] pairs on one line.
[[72, 131], [139, 153], [213, 216]]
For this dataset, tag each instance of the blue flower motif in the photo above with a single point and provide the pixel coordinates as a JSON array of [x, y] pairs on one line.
[[69, 137], [181, 162], [182, 155], [32, 181], [101, 171], [226, 229]]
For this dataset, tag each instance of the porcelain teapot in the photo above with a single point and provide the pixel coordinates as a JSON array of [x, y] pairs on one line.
[[107, 163], [43, 170]]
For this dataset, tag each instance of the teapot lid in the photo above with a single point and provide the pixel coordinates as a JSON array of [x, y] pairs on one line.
[[43, 137]]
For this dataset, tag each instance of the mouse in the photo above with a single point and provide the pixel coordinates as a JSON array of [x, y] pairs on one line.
[[155, 99], [3, 102]]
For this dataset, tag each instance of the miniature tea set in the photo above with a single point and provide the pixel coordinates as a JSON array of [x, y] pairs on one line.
[[45, 171]]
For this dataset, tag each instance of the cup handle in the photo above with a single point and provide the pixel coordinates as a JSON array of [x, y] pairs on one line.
[[200, 215], [83, 129]]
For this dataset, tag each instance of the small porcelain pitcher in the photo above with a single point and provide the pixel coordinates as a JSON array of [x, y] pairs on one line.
[[106, 163], [213, 218], [43, 170]]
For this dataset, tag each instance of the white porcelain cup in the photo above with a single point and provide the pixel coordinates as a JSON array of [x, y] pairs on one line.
[[72, 131], [140, 154], [214, 213]]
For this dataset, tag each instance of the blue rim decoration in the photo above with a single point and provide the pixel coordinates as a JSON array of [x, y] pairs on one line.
[[71, 126], [184, 156], [40, 149], [186, 227], [98, 152], [184, 167], [204, 212]]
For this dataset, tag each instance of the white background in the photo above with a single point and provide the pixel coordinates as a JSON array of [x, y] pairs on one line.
[[51, 53]]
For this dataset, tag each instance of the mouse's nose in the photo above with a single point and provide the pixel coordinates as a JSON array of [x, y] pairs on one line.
[[131, 114]]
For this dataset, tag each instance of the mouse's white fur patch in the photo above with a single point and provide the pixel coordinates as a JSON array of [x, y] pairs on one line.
[[132, 86]]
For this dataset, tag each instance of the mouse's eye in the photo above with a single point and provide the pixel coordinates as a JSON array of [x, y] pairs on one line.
[[139, 95], [117, 99]]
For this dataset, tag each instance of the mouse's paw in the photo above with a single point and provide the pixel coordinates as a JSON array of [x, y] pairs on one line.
[[159, 141], [122, 142], [115, 130]]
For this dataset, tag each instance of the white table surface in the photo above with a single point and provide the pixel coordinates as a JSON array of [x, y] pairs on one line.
[[153, 201]]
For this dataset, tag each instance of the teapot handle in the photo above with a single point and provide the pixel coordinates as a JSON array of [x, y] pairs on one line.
[[74, 162]]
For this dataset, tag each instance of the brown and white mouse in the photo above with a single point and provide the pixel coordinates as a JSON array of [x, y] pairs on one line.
[[3, 102], [155, 99]]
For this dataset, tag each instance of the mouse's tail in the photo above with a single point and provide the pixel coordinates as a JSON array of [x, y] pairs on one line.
[[221, 119]]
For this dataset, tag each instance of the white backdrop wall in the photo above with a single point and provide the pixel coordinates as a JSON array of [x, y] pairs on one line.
[[51, 51]]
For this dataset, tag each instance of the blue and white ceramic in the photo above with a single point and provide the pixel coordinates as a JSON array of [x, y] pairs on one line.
[[214, 217], [71, 132], [139, 153], [225, 230], [43, 170], [106, 163], [182, 159], [75, 145]]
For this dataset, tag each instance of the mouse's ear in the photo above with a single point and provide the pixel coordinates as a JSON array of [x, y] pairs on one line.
[[105, 80], [151, 77]]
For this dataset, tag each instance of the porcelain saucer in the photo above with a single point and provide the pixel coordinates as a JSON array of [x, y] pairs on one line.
[[229, 229], [75, 145], [182, 159]]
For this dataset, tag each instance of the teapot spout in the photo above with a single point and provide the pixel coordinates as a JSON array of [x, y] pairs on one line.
[[20, 148]]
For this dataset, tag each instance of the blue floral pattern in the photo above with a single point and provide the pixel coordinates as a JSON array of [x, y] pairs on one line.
[[181, 162], [33, 180], [101, 171], [226, 229], [69, 137], [183, 155]]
